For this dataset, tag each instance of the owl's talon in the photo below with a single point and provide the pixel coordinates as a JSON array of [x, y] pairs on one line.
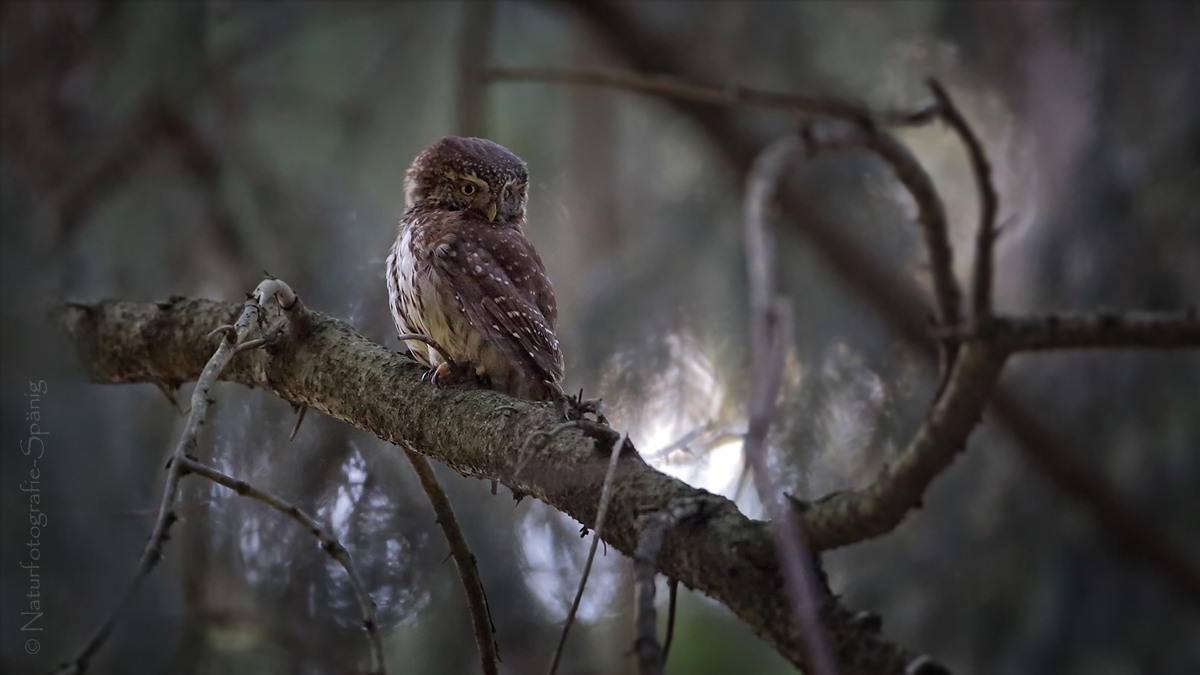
[[450, 373]]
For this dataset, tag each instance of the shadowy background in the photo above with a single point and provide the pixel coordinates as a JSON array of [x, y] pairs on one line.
[[159, 148]]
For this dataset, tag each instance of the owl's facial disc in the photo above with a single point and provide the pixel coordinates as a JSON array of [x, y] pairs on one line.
[[469, 174]]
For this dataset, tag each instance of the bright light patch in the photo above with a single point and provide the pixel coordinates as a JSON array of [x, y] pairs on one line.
[[553, 556]]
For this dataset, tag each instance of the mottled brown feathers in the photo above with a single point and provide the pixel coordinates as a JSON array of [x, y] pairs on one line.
[[462, 272]]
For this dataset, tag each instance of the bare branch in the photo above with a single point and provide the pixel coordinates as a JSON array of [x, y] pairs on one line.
[[329, 544], [166, 514], [771, 322], [893, 298], [605, 493], [985, 237], [930, 211], [1137, 330], [645, 557], [808, 106], [463, 559], [233, 343], [852, 516]]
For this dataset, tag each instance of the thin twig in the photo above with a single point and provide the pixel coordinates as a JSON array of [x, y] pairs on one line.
[[464, 560], [329, 544], [672, 596], [770, 339], [985, 237], [652, 527], [605, 493], [681, 443], [299, 421], [723, 95], [152, 553], [429, 341]]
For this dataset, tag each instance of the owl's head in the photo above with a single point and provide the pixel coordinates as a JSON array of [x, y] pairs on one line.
[[469, 174]]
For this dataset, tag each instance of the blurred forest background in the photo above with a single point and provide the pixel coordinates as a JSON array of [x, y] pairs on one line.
[[160, 148]]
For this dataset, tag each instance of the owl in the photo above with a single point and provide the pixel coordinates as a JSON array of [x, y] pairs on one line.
[[462, 273]]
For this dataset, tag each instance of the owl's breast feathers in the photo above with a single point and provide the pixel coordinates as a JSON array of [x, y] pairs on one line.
[[481, 291]]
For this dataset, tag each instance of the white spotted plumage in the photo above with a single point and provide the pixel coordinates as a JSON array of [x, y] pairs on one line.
[[492, 307]]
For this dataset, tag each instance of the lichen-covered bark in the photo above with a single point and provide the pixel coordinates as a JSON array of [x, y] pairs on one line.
[[327, 365]]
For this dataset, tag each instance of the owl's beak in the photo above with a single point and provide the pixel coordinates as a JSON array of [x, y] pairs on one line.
[[491, 211]]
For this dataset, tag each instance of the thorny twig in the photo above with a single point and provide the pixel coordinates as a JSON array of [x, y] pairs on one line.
[[233, 342], [329, 544], [234, 336], [605, 493]]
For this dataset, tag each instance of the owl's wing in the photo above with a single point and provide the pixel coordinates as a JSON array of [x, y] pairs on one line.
[[499, 282]]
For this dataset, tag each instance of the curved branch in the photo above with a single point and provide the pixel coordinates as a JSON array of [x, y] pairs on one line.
[[848, 517], [989, 201], [893, 298]]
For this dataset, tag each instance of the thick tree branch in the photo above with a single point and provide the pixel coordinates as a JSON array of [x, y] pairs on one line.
[[1160, 330], [335, 370]]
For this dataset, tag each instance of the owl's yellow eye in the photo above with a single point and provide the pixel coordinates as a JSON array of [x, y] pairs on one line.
[[468, 189]]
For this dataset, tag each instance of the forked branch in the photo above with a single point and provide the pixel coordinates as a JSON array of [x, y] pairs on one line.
[[233, 341]]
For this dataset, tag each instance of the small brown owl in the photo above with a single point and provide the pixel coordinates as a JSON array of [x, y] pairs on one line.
[[462, 273]]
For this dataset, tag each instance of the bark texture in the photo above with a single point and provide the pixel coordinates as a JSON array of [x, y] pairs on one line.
[[325, 364]]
